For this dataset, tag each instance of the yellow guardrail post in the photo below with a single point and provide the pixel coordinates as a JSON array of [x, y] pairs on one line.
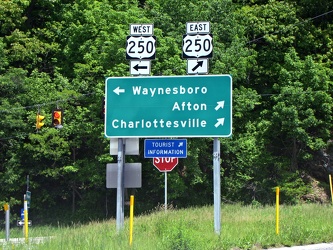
[[131, 219], [277, 209], [330, 178], [26, 220]]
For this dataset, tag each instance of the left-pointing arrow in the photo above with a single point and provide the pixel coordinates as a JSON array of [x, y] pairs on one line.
[[220, 122], [118, 90], [137, 67], [21, 222]]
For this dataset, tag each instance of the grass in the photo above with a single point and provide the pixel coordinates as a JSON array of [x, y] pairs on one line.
[[242, 227]]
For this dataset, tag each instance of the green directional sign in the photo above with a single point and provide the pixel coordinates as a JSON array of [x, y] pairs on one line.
[[168, 106]]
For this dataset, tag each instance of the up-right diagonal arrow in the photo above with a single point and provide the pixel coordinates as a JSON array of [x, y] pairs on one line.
[[220, 104], [220, 122], [199, 64]]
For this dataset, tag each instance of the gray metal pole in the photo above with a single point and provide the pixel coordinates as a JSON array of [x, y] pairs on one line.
[[217, 186], [165, 191], [27, 182], [120, 191], [123, 186], [7, 222]]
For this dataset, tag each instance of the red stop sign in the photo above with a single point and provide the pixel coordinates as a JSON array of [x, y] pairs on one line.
[[165, 164]]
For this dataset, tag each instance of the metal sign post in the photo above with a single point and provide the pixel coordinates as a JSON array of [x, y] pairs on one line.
[[120, 186], [165, 191], [7, 213], [217, 186], [165, 165]]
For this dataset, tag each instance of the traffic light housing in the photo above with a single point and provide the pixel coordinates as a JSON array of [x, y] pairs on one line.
[[57, 118], [39, 122]]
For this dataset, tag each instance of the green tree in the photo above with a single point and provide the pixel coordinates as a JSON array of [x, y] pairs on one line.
[[302, 115]]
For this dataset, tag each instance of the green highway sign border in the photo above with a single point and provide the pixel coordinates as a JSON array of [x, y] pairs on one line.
[[168, 106]]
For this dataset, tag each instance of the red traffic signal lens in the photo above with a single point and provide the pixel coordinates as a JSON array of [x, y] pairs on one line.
[[56, 115]]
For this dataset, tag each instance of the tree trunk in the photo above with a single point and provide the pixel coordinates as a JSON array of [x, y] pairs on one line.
[[294, 156]]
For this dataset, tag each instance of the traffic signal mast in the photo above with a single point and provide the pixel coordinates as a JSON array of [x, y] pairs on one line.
[[39, 122], [57, 118]]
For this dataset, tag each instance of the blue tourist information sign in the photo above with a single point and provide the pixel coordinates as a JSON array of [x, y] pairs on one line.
[[165, 148]]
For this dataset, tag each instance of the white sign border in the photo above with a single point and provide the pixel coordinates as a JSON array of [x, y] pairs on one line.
[[188, 31], [176, 135], [144, 72], [142, 24], [203, 70]]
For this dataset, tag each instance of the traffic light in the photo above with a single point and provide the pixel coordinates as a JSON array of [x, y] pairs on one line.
[[57, 118], [39, 122]]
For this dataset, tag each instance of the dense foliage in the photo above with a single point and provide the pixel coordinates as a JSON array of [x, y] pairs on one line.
[[57, 54]]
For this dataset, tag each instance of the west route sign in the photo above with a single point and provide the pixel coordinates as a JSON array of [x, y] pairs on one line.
[[168, 106]]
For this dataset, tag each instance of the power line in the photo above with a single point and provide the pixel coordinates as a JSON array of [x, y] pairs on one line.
[[46, 103], [251, 41], [83, 95], [24, 135], [293, 25]]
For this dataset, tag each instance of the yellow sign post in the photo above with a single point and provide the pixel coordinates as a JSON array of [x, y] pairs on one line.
[[330, 179], [131, 218], [25, 227]]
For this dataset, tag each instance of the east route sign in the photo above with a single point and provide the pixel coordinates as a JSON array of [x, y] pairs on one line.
[[198, 46], [168, 106]]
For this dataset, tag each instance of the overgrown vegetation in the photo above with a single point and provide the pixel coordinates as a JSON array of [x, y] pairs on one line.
[[58, 53], [243, 227]]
